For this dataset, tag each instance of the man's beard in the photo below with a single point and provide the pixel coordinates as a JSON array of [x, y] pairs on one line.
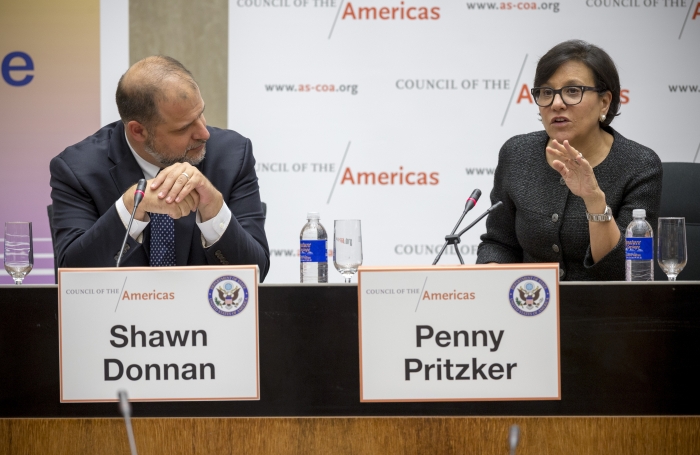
[[165, 161]]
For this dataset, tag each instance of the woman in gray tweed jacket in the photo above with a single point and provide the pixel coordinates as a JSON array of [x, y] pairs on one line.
[[553, 182]]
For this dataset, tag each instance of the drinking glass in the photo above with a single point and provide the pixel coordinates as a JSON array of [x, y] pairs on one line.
[[347, 247], [19, 253], [672, 252]]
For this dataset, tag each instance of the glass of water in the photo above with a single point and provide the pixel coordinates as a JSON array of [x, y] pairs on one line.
[[347, 247], [19, 253], [672, 253]]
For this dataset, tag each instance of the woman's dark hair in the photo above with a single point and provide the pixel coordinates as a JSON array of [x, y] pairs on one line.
[[595, 58]]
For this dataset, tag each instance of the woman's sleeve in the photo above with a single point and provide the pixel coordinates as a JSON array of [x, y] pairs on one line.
[[643, 192], [500, 243]]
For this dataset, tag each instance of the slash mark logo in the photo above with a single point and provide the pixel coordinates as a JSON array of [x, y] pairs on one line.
[[529, 295], [228, 295]]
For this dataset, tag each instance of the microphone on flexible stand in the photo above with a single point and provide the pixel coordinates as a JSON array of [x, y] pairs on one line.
[[471, 202], [513, 438], [454, 239], [138, 196], [125, 409]]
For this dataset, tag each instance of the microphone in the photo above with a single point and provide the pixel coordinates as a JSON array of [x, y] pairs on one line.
[[471, 202], [489, 210], [138, 196], [454, 239], [139, 193], [513, 438], [125, 409]]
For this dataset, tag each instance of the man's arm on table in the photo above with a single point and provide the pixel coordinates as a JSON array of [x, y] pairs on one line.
[[84, 236], [243, 241], [229, 215]]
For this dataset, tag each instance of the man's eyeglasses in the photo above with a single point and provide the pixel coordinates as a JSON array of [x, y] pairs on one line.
[[570, 94]]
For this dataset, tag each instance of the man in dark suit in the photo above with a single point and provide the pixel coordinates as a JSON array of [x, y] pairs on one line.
[[201, 205]]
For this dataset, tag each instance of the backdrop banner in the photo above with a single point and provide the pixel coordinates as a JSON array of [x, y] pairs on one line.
[[49, 99], [393, 111]]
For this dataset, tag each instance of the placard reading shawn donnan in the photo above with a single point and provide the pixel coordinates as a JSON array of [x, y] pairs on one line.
[[459, 333], [177, 333]]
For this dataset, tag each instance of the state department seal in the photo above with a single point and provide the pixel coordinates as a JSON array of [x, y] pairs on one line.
[[228, 295], [526, 295]]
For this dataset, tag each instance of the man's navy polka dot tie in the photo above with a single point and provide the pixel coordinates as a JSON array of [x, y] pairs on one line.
[[162, 240]]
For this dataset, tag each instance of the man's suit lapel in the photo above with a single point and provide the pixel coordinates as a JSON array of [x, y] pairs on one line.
[[126, 171]]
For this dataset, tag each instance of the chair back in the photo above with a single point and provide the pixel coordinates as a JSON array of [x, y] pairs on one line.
[[49, 211], [680, 196]]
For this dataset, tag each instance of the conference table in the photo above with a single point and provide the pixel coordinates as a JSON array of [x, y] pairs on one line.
[[628, 356]]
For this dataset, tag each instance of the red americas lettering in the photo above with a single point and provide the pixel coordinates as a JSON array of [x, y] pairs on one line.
[[524, 95], [148, 295], [454, 295], [389, 178], [624, 98], [411, 13]]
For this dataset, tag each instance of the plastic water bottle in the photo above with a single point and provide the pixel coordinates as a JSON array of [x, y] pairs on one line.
[[313, 251], [639, 248]]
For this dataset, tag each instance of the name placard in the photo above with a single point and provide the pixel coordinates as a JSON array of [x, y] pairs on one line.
[[462, 333], [165, 334]]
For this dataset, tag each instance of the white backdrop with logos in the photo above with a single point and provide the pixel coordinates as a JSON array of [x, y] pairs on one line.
[[356, 110]]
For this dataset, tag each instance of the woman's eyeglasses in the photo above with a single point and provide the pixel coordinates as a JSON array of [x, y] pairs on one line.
[[570, 94]]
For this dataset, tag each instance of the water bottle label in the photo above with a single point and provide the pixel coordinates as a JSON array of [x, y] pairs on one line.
[[639, 248], [313, 251]]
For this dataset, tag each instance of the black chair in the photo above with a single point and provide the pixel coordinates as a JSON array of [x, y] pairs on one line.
[[681, 197], [49, 211]]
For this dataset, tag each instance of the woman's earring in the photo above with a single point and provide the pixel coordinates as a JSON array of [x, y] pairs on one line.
[[602, 118]]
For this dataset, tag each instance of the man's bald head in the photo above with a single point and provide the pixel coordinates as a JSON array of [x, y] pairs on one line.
[[149, 82]]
